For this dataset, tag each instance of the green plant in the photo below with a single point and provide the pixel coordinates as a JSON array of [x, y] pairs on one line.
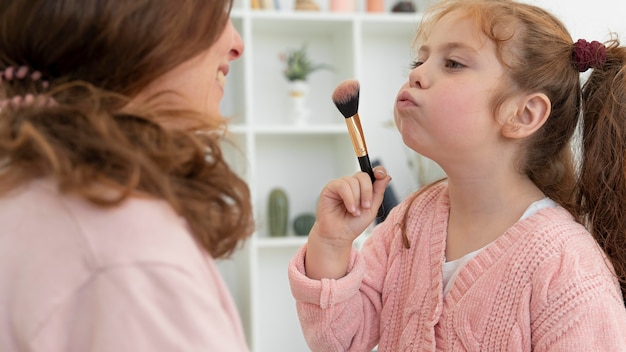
[[299, 65]]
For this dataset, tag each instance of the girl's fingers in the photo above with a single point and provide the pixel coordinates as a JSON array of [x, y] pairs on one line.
[[357, 192], [382, 179], [342, 192], [350, 191], [361, 187], [365, 189], [380, 172]]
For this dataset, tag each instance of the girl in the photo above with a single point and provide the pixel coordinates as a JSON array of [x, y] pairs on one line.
[[490, 259], [114, 195]]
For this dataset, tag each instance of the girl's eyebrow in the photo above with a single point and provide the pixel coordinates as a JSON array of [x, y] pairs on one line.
[[425, 49]]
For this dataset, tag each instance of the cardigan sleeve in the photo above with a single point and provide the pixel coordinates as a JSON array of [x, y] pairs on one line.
[[343, 314]]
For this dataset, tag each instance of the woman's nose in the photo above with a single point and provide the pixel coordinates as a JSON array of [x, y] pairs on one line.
[[237, 47]]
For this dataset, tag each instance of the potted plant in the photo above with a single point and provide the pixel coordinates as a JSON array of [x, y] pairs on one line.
[[298, 67], [298, 64]]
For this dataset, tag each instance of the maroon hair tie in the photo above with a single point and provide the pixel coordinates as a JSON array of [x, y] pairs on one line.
[[588, 55]]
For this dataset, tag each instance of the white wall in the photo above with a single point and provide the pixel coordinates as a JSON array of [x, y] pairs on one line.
[[589, 19]]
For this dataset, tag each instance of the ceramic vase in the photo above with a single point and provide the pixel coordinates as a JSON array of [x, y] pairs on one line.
[[303, 223], [298, 94], [375, 5], [342, 5]]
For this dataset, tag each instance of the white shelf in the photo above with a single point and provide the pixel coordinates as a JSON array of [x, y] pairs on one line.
[[270, 150], [289, 242], [289, 130]]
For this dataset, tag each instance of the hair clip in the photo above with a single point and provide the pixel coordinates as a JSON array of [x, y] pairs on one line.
[[12, 73]]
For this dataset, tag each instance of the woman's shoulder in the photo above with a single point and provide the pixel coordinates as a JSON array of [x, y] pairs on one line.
[[41, 218], [59, 253]]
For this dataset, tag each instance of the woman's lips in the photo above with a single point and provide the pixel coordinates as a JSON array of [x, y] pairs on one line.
[[221, 78], [221, 74]]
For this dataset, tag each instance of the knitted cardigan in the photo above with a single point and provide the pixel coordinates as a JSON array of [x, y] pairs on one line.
[[543, 285]]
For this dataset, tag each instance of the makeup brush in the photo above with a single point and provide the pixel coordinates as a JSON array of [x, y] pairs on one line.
[[346, 98]]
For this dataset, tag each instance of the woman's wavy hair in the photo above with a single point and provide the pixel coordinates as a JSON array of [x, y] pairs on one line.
[[96, 56]]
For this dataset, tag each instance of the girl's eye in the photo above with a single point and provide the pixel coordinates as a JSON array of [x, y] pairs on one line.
[[416, 63], [453, 64]]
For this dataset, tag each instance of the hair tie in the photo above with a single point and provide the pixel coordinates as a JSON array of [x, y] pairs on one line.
[[11, 74], [588, 55]]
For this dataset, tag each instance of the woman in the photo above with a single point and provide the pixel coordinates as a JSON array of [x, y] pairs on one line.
[[115, 198]]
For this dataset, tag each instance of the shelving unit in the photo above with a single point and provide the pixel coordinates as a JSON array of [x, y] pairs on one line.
[[271, 151]]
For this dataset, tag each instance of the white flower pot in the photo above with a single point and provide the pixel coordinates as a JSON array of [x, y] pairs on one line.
[[298, 94]]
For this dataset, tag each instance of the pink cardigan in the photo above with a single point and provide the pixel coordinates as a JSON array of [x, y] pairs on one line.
[[78, 278], [544, 285]]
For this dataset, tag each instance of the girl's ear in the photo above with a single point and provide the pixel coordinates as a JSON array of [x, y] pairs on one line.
[[531, 112]]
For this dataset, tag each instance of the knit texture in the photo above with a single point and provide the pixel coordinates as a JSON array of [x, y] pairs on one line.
[[542, 285]]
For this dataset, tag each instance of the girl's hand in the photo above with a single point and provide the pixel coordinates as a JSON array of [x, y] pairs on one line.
[[347, 206]]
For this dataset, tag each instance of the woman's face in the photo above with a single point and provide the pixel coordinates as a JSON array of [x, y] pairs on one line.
[[214, 67], [200, 80]]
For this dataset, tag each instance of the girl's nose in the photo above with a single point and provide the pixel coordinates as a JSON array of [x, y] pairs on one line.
[[418, 77]]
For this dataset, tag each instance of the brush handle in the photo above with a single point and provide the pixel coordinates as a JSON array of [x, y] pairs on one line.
[[366, 166]]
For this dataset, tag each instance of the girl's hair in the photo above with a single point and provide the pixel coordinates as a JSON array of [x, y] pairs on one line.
[[602, 182], [95, 56]]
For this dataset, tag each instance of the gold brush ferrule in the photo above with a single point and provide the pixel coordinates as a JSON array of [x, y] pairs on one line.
[[356, 135]]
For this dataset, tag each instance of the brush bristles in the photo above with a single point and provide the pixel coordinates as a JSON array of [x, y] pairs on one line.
[[346, 97]]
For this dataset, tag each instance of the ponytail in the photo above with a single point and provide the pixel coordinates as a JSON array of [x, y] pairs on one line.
[[602, 182]]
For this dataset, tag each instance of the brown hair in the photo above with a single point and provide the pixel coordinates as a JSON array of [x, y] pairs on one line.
[[602, 181], [97, 55]]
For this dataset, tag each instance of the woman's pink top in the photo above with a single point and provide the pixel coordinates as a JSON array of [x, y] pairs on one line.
[[544, 285], [79, 278]]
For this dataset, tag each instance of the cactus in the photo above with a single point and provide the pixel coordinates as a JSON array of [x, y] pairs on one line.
[[278, 212]]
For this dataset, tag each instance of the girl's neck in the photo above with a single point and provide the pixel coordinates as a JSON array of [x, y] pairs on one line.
[[483, 209]]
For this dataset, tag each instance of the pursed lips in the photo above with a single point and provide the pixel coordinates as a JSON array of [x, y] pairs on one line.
[[405, 100]]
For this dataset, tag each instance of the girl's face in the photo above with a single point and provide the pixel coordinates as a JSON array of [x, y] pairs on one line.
[[445, 109], [200, 80]]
